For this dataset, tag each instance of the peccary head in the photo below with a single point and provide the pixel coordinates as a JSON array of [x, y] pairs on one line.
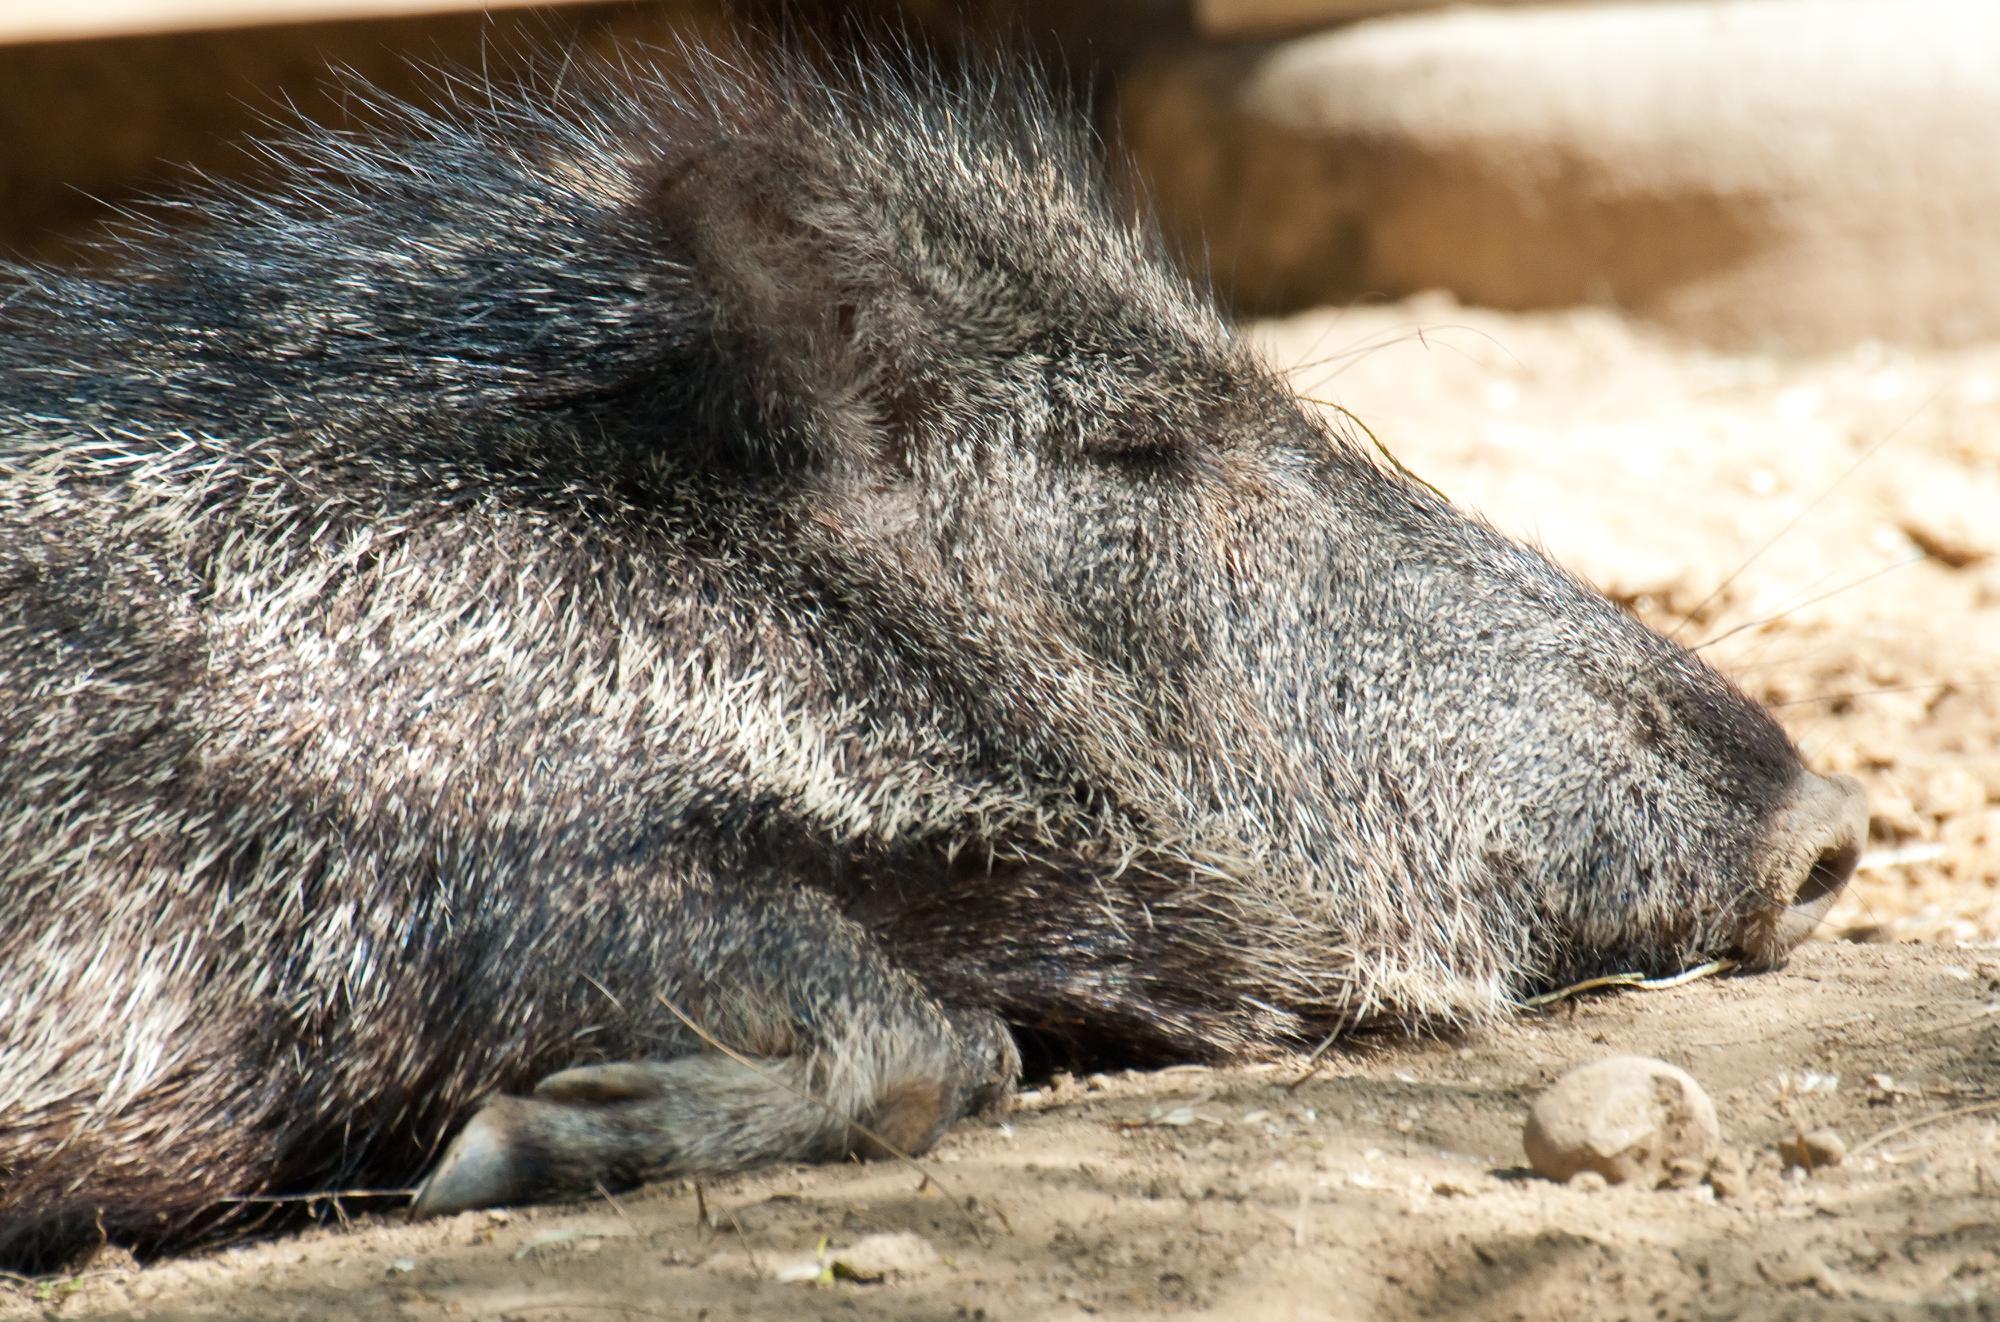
[[1155, 578]]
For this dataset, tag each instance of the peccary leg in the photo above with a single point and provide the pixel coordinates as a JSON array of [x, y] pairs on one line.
[[841, 1053]]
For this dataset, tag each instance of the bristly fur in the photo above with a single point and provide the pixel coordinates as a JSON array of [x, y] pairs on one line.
[[781, 543]]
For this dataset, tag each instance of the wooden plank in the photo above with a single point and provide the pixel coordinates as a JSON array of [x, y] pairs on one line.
[[24, 21]]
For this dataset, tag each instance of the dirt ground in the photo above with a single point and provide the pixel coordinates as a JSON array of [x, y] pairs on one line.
[[1391, 1183]]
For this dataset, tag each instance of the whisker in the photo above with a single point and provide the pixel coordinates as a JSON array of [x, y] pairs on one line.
[[1389, 338], [1750, 659], [1937, 684], [1810, 506], [1745, 667], [1788, 607], [1305, 363]]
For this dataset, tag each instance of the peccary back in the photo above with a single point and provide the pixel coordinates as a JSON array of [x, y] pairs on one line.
[[776, 553]]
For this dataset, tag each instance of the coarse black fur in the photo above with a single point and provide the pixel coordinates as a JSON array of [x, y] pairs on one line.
[[779, 547]]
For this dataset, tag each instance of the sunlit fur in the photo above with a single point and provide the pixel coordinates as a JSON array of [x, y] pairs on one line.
[[778, 544]]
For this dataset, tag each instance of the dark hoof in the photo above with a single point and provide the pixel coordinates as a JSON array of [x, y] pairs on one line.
[[485, 1166]]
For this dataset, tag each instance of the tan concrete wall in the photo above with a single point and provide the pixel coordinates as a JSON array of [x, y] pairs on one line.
[[89, 126], [1782, 173]]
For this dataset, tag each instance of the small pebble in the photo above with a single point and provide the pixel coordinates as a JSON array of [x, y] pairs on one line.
[[1727, 1175], [1626, 1118], [1820, 1147], [106, 1259], [1685, 1172]]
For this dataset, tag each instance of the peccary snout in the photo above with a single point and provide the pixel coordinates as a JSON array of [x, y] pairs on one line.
[[1812, 846]]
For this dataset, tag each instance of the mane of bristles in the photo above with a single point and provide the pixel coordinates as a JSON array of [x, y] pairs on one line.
[[535, 197]]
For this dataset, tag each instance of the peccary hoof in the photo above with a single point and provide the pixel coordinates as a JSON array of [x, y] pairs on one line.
[[592, 1127], [485, 1166]]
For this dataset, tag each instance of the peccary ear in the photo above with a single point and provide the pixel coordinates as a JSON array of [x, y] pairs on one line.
[[804, 306]]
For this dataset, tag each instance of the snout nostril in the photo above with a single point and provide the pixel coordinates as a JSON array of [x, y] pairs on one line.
[[1815, 844], [1828, 820], [1829, 873]]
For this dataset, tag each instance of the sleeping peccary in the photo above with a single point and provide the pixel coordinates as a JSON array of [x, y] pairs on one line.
[[764, 559]]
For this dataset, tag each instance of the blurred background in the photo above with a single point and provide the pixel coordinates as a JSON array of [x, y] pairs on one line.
[[1702, 295]]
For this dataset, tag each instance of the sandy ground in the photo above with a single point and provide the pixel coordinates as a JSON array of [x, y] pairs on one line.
[[1390, 1182]]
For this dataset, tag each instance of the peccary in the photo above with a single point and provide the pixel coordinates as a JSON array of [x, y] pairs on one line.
[[772, 551]]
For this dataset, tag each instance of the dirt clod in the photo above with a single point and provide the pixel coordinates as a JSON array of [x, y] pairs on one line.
[[1685, 1172], [1727, 1174], [1814, 1149], [1628, 1118]]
